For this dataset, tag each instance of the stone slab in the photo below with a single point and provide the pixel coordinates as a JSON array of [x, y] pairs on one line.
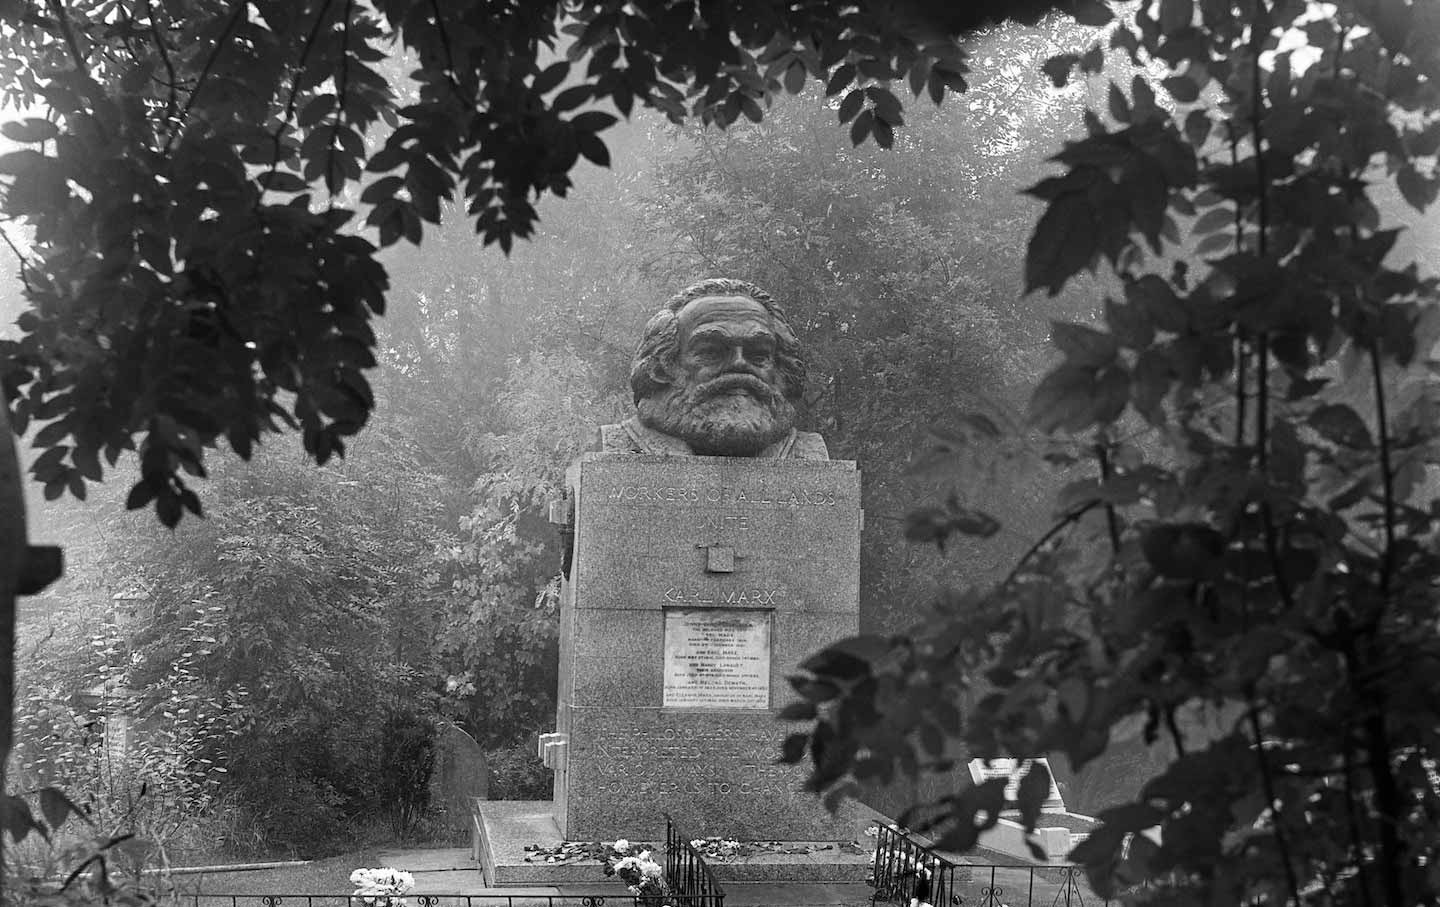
[[508, 826]]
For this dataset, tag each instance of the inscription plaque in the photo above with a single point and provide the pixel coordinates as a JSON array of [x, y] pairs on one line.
[[717, 659]]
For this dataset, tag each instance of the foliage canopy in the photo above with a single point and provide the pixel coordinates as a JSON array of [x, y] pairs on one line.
[[1247, 574], [192, 277]]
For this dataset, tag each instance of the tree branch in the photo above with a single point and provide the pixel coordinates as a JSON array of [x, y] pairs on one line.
[[240, 7], [1112, 521], [1053, 531], [172, 85], [20, 257], [289, 112], [68, 33], [1387, 475]]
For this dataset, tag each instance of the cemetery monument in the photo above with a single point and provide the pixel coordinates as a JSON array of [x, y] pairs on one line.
[[713, 547]]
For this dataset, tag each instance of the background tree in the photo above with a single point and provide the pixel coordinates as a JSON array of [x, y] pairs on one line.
[[1252, 586], [186, 283]]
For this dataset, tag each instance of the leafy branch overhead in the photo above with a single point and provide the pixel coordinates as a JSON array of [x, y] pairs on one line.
[[213, 180], [1242, 568]]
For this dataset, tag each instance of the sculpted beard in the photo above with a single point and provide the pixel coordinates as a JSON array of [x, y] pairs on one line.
[[735, 415]]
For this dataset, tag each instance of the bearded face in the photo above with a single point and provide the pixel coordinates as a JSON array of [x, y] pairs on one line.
[[727, 398]]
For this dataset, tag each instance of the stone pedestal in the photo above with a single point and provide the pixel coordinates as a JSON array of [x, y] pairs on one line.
[[696, 586]]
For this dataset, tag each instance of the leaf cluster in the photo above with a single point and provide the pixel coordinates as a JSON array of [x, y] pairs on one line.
[[192, 277], [1248, 588]]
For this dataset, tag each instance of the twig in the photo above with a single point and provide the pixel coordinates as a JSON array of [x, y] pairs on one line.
[[171, 100], [20, 257], [451, 74], [1387, 477], [1053, 531], [1112, 521], [1259, 30], [69, 35], [223, 40], [342, 84], [289, 112]]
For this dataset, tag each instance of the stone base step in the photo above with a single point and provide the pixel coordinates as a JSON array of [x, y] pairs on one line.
[[503, 829]]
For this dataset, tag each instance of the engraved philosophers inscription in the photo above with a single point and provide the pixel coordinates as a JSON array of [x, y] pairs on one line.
[[715, 763]]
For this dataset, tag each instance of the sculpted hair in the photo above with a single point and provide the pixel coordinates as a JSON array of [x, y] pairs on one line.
[[653, 368]]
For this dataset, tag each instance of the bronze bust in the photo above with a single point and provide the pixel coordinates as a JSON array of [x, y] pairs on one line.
[[717, 372]]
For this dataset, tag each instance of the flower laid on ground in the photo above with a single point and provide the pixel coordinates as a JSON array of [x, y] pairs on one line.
[[642, 875], [723, 848], [381, 887]]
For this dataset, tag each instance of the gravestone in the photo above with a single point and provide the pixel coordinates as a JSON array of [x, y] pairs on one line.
[[461, 776], [697, 584]]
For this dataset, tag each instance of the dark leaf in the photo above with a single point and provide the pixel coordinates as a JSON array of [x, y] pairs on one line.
[[56, 807], [1197, 127], [1083, 345], [1129, 324], [798, 711], [30, 129], [1119, 105], [793, 749], [1064, 399], [1182, 88], [1090, 12], [593, 121], [833, 662], [1418, 190], [1059, 67], [1032, 792], [1342, 425], [551, 77], [1064, 242], [1212, 220], [860, 129], [1183, 551], [17, 818]]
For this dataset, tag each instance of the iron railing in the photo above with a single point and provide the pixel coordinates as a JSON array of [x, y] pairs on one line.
[[692, 884], [905, 868], [606, 899]]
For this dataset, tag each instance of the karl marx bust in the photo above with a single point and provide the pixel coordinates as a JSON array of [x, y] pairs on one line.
[[717, 373]]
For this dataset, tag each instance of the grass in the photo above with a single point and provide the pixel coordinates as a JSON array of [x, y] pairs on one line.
[[328, 876]]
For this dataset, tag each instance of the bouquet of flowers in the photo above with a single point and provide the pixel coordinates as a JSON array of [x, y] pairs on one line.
[[381, 887], [642, 875]]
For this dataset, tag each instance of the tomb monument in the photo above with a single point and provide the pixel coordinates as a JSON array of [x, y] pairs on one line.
[[715, 547], [711, 547]]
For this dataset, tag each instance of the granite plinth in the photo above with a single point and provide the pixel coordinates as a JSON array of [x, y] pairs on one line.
[[508, 826], [697, 585]]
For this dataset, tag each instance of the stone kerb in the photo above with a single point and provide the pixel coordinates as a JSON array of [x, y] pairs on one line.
[[697, 585]]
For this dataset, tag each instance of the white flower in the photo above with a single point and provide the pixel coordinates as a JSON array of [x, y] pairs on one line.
[[622, 846], [644, 855]]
